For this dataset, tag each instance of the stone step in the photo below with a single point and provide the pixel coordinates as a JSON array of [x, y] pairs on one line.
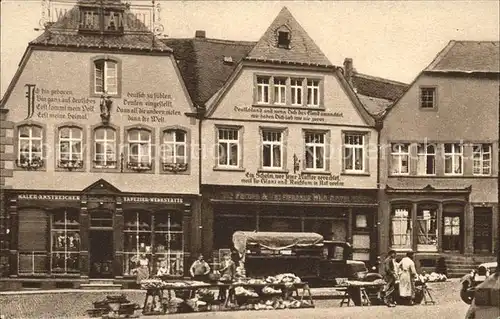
[[101, 286]]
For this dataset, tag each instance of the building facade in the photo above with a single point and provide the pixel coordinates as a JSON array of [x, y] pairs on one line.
[[439, 163], [99, 162], [287, 144]]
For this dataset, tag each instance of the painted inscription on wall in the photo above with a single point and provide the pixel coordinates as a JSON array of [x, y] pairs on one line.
[[58, 104], [286, 114], [291, 179], [147, 107]]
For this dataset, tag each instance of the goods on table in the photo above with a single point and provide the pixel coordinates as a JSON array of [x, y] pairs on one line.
[[240, 291], [270, 291], [432, 277]]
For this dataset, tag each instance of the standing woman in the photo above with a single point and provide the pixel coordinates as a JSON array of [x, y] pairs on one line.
[[142, 270], [407, 278]]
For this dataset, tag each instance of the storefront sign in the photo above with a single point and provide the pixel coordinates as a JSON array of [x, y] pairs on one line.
[[49, 197], [286, 114], [292, 179], [147, 107], [46, 103], [167, 200], [294, 197]]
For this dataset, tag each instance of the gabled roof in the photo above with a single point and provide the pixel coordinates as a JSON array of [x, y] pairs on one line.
[[302, 49], [206, 64], [64, 33], [468, 57]]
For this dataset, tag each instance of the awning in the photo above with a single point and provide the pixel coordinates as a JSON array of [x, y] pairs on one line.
[[275, 240]]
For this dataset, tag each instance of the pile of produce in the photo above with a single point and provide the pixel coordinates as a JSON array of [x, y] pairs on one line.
[[276, 303], [432, 277], [160, 284], [287, 278], [240, 291], [153, 284], [271, 291]]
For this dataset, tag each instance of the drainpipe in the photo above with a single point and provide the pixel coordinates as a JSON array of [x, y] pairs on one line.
[[379, 124], [200, 117]]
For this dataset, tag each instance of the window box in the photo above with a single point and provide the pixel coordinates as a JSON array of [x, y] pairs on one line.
[[27, 164], [175, 167], [139, 167], [70, 164], [107, 164]]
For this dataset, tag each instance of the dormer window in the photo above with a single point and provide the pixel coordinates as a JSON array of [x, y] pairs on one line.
[[101, 20], [284, 39]]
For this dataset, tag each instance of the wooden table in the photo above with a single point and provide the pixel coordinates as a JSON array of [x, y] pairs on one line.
[[357, 291], [159, 293]]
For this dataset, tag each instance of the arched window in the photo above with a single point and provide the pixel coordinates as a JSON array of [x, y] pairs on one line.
[[139, 148], [30, 139], [105, 77], [104, 147], [70, 147], [174, 150]]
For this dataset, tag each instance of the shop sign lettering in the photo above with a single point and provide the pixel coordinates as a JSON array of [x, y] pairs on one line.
[[294, 197], [292, 179], [49, 197], [147, 107], [169, 200], [45, 103], [287, 114]]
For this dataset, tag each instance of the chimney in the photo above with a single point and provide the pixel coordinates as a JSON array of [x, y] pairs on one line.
[[200, 34], [348, 70]]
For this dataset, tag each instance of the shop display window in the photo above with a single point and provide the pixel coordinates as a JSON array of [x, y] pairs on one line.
[[65, 242], [401, 228], [427, 230], [158, 236]]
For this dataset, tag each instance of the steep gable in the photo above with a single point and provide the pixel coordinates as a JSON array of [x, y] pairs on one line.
[[301, 48]]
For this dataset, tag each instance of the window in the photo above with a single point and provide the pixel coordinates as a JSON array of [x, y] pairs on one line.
[[272, 149], [65, 242], [70, 147], [312, 93], [481, 154], [296, 91], [106, 77], [139, 149], [159, 236], [453, 159], [427, 98], [426, 159], [174, 152], [30, 146], [279, 91], [284, 39], [354, 153], [400, 159], [315, 144], [229, 147], [105, 147], [401, 228], [427, 230], [262, 90]]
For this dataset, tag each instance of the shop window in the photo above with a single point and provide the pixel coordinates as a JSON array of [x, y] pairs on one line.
[[139, 149], [105, 77], [426, 159], [229, 147], [354, 153], [401, 228], [33, 241], [427, 231], [70, 147], [104, 147], [400, 156], [137, 239], [481, 154], [272, 149], [174, 150], [168, 242], [453, 159], [65, 242], [30, 139], [315, 151]]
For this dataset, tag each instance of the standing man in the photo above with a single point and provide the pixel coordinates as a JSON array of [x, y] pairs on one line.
[[390, 278], [200, 269]]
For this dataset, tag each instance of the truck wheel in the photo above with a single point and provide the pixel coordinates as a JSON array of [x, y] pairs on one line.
[[465, 294]]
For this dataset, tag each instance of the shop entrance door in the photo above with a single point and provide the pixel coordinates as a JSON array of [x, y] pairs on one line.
[[482, 230], [101, 253], [452, 229]]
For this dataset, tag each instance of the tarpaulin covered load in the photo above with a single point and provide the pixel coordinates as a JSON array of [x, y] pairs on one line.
[[275, 240]]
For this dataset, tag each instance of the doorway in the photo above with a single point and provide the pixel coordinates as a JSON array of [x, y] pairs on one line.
[[101, 253], [482, 230], [453, 228]]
